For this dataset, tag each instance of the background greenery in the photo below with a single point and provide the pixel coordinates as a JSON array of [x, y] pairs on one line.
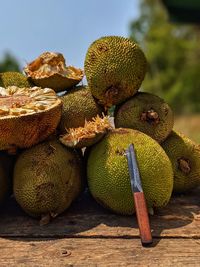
[[173, 54]]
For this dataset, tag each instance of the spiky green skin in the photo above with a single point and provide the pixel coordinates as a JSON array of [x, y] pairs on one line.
[[47, 178], [11, 78], [78, 106], [178, 146], [108, 175], [115, 68], [128, 115]]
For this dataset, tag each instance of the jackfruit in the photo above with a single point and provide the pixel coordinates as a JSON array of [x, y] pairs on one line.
[[92, 132], [147, 113], [108, 175], [11, 78], [27, 116], [50, 70], [115, 68], [78, 106], [47, 178], [185, 158]]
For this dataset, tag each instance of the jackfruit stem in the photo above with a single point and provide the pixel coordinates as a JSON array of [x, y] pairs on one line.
[[45, 219], [184, 165], [150, 116]]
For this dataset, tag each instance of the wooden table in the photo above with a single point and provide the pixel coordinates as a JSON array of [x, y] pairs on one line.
[[88, 235]]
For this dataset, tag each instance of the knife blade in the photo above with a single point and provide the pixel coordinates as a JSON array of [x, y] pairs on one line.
[[139, 198]]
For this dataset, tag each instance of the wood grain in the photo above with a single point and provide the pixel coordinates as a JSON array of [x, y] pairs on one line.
[[99, 252], [181, 218]]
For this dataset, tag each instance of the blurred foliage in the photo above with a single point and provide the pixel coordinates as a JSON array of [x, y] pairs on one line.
[[9, 63], [173, 53]]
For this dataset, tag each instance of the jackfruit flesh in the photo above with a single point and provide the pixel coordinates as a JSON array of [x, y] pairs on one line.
[[108, 174], [147, 113], [115, 68], [12, 78], [47, 178], [78, 106], [185, 158], [92, 132], [27, 115], [50, 70]]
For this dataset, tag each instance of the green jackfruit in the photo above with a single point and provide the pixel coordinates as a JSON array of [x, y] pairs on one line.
[[47, 178], [78, 106], [108, 175], [11, 78], [185, 158], [115, 68], [147, 113]]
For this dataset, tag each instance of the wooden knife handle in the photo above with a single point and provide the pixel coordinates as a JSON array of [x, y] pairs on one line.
[[142, 218]]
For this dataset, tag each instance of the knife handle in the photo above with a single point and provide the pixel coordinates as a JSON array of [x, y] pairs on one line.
[[142, 218]]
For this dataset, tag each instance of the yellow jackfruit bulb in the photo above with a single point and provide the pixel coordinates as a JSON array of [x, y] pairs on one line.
[[108, 174], [185, 158], [47, 178], [115, 68], [147, 113], [50, 70]]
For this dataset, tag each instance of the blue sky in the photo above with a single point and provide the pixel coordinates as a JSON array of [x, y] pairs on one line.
[[28, 28]]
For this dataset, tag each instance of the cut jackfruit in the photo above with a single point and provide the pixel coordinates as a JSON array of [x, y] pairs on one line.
[[50, 70], [92, 132], [27, 116]]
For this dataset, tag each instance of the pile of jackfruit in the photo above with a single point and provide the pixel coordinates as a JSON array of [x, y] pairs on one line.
[[58, 136]]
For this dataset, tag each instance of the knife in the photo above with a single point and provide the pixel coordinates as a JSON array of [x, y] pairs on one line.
[[139, 198]]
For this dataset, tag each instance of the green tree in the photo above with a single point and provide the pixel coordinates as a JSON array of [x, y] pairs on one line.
[[173, 53], [9, 63]]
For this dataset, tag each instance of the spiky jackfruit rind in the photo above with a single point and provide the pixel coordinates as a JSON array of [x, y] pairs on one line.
[[185, 158], [56, 82], [47, 178], [147, 113], [108, 175], [26, 130], [115, 68], [78, 106], [11, 78]]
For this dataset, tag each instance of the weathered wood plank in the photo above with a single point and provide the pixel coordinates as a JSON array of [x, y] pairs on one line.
[[181, 218], [99, 252]]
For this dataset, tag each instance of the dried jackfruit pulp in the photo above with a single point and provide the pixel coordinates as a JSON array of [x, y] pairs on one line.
[[27, 116], [185, 158], [92, 132], [115, 68], [147, 113], [108, 174], [78, 106], [47, 178], [50, 70]]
